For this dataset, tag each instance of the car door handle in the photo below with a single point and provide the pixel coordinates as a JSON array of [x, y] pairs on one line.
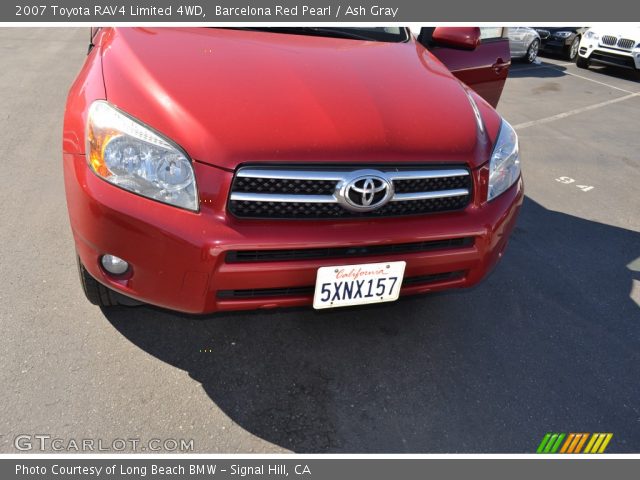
[[499, 66]]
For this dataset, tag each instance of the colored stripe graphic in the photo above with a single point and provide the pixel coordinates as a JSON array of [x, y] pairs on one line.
[[581, 443], [543, 443], [596, 446], [567, 443], [605, 443], [550, 443], [598, 443], [572, 446], [555, 447], [577, 438], [591, 442], [574, 442]]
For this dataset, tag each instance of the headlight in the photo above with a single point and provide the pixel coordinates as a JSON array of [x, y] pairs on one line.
[[563, 34], [132, 156], [504, 167], [591, 35]]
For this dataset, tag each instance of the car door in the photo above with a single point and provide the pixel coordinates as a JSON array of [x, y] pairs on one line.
[[485, 68]]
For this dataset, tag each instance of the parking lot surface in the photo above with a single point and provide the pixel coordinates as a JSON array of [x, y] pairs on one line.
[[548, 343]]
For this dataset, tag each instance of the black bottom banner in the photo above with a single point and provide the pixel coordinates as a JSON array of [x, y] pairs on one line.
[[317, 468]]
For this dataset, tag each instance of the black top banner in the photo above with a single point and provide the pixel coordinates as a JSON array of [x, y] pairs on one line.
[[316, 11]]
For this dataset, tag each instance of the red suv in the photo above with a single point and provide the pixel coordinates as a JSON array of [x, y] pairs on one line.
[[222, 169]]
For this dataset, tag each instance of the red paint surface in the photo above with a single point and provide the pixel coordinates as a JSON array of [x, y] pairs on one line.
[[231, 97]]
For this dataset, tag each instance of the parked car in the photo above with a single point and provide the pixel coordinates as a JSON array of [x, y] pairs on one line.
[[524, 43], [561, 40], [616, 45], [223, 169]]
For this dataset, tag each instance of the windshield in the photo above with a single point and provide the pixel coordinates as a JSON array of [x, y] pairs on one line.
[[377, 34]]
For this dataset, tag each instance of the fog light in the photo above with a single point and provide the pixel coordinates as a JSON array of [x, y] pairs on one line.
[[114, 265]]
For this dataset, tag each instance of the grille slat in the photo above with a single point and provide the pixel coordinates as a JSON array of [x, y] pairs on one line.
[[430, 184], [308, 290], [280, 210], [244, 256], [284, 186], [299, 193]]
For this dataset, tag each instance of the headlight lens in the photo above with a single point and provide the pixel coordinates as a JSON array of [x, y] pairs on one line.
[[132, 156], [591, 35], [504, 167], [563, 34]]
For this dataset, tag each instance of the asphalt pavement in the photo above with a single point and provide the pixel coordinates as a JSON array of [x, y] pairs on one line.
[[550, 342]]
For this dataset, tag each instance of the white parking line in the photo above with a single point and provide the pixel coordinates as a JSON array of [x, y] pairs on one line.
[[596, 81], [562, 64], [576, 111]]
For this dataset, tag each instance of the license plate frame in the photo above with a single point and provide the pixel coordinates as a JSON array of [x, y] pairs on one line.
[[358, 284]]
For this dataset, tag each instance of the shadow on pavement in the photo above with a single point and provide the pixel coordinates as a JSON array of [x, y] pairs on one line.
[[621, 73], [545, 70], [549, 342], [553, 70]]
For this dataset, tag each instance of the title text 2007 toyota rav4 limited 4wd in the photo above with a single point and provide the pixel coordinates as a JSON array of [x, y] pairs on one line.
[[223, 169]]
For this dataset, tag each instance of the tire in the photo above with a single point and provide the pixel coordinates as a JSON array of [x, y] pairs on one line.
[[532, 51], [582, 62], [95, 292], [572, 51]]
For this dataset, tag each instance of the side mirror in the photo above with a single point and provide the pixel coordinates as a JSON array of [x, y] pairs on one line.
[[465, 38]]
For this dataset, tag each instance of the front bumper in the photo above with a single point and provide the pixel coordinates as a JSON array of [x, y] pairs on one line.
[[610, 56], [554, 45], [179, 258]]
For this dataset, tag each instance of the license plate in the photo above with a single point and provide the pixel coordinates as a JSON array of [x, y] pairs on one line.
[[346, 285]]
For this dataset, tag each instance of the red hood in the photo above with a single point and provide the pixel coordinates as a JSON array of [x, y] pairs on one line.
[[231, 96]]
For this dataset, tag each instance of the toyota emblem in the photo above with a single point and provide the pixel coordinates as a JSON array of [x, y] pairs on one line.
[[364, 190]]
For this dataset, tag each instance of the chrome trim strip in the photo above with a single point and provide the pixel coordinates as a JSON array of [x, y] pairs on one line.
[[338, 176], [420, 174], [401, 197], [291, 174], [269, 197], [398, 197]]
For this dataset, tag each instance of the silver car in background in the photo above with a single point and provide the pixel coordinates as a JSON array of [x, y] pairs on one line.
[[524, 43]]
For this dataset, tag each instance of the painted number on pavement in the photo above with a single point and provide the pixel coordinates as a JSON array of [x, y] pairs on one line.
[[569, 180]]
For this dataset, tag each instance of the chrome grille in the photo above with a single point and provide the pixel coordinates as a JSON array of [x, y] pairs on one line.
[[543, 33], [626, 43], [298, 192], [621, 43]]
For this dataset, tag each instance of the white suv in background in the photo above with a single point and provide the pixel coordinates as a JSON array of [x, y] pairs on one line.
[[614, 45]]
